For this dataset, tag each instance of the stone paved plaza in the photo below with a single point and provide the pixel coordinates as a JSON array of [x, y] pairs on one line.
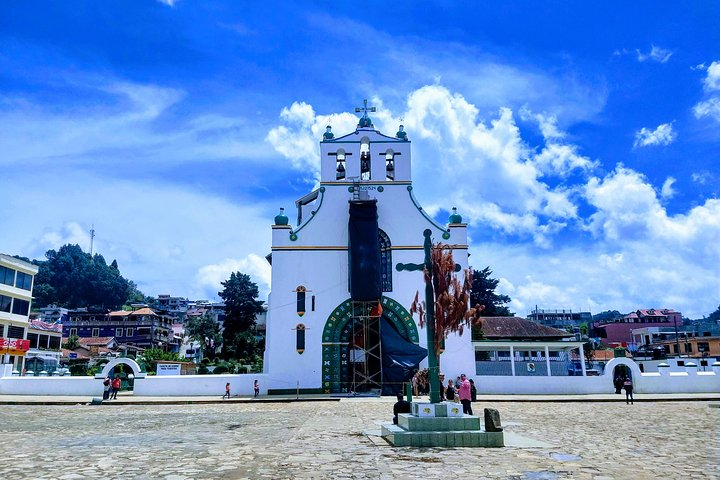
[[652, 440]]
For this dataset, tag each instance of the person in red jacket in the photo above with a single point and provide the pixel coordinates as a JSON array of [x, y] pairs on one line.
[[116, 383]]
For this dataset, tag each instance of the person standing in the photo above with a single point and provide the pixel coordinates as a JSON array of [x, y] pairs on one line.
[[450, 392], [464, 394], [473, 391], [256, 387], [628, 386], [116, 384], [227, 391], [106, 388]]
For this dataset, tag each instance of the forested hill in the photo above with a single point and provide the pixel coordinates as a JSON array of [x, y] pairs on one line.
[[72, 278]]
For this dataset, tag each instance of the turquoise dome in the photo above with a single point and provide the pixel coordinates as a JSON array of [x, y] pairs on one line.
[[328, 135], [365, 122], [455, 217], [401, 134], [281, 218]]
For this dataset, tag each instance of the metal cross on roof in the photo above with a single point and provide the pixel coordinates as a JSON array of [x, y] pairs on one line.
[[365, 109]]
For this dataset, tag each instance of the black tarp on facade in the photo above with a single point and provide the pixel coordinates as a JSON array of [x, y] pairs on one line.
[[364, 251], [400, 358]]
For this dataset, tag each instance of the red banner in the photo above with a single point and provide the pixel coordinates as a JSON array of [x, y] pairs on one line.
[[14, 345]]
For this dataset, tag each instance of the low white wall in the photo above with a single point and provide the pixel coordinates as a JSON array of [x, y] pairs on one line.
[[51, 386], [692, 381], [542, 385], [196, 385]]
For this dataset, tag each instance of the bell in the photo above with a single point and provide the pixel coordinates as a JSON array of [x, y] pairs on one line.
[[340, 168], [390, 166]]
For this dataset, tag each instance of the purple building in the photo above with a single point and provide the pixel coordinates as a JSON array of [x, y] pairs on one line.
[[141, 328]]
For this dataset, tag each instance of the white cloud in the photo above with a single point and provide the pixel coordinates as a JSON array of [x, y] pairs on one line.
[[710, 106], [629, 209], [655, 54], [712, 80], [667, 191], [162, 236], [451, 140], [126, 118], [702, 177], [298, 139], [664, 134], [71, 232], [210, 277], [169, 3]]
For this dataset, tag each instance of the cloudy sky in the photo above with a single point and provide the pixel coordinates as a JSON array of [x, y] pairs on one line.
[[581, 144]]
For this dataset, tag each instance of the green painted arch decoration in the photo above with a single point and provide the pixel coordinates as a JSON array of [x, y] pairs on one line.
[[335, 351]]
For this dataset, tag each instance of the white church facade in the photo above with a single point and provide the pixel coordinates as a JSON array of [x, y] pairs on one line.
[[322, 335]]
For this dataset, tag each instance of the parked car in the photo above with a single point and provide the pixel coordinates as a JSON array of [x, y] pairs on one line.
[[649, 351]]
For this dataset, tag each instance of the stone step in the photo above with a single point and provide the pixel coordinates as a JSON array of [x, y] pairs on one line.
[[413, 423], [399, 437]]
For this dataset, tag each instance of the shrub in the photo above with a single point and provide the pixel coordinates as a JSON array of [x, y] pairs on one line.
[[221, 369], [78, 369], [205, 361], [202, 370]]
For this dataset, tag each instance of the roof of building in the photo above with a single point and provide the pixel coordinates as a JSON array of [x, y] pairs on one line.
[[518, 328], [120, 313], [79, 356], [144, 311]]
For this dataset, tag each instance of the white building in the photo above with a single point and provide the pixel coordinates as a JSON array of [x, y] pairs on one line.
[[318, 338], [16, 284]]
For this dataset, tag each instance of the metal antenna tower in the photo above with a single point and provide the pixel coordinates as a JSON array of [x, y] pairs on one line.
[[92, 237]]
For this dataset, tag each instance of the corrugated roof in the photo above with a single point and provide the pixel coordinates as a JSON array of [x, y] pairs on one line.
[[495, 328]]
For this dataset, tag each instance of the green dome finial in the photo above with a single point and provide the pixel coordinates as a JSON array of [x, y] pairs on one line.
[[328, 135], [281, 218], [455, 217]]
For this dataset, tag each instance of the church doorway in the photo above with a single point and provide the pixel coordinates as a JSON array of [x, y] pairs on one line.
[[352, 346]]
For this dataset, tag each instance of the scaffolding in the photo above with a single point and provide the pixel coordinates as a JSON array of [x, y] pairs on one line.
[[365, 349]]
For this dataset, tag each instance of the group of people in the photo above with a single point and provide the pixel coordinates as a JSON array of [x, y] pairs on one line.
[[463, 390], [111, 387]]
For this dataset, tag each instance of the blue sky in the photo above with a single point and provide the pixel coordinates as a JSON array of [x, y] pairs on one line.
[[580, 143]]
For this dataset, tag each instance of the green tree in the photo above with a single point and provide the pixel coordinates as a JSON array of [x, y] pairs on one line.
[[241, 309], [72, 278], [483, 293], [72, 343], [607, 315], [202, 329], [715, 316]]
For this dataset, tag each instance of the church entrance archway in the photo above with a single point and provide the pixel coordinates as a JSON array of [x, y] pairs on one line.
[[128, 372], [340, 336]]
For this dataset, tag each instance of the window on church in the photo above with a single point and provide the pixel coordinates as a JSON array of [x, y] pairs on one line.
[[385, 261], [301, 291], [312, 301], [300, 338], [390, 165], [365, 159]]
